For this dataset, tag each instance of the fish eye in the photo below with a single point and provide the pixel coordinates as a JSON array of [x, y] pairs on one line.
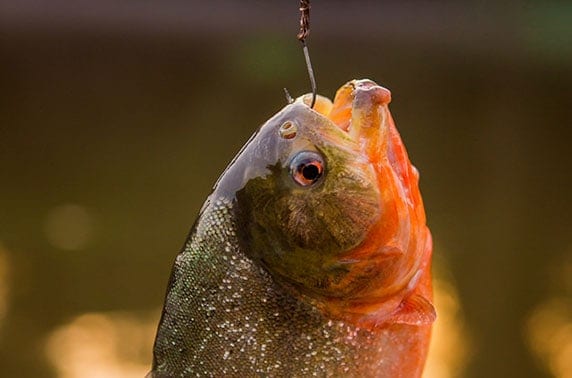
[[307, 167]]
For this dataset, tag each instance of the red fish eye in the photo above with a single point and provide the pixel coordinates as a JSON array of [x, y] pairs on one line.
[[306, 168]]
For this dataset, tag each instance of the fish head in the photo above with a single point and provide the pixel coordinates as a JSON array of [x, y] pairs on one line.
[[327, 202]]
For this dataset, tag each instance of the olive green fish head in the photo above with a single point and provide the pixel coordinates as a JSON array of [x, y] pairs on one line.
[[327, 201], [304, 195]]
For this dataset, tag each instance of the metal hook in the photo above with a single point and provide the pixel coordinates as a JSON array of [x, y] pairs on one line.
[[289, 98], [302, 35]]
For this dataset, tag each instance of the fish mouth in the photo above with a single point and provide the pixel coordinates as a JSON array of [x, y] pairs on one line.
[[383, 261], [360, 108]]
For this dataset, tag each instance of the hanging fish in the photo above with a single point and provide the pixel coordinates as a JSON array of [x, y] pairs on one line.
[[311, 257]]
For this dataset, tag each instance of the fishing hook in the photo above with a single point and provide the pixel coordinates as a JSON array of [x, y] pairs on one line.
[[302, 35], [289, 98]]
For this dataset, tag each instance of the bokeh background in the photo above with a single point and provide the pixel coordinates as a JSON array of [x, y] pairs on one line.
[[116, 117]]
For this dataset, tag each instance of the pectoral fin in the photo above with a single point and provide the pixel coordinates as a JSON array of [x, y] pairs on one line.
[[414, 310]]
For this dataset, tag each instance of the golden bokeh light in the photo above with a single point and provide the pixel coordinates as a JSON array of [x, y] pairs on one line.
[[119, 344], [69, 227], [110, 345], [450, 344], [549, 327]]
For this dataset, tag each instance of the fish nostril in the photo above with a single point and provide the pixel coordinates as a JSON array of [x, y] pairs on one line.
[[288, 130]]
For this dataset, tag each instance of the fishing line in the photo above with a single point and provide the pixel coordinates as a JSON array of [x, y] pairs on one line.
[[302, 36]]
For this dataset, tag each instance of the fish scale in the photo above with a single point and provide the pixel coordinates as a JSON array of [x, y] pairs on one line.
[[215, 318]]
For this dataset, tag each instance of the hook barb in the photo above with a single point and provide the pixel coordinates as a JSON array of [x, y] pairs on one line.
[[289, 98]]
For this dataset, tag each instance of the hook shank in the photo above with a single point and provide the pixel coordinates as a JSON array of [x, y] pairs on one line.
[[310, 73], [302, 35]]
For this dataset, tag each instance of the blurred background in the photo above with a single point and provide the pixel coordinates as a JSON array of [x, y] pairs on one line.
[[116, 117]]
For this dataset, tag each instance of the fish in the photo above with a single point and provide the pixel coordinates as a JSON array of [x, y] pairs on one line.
[[311, 257]]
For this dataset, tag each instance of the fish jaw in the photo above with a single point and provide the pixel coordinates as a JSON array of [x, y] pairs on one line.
[[394, 260], [360, 108]]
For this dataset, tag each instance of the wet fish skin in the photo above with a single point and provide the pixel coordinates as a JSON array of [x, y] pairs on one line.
[[282, 280]]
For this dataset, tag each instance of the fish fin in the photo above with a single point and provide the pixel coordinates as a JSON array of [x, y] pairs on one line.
[[414, 310]]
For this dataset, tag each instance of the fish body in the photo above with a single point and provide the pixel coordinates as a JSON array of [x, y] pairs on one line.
[[310, 258]]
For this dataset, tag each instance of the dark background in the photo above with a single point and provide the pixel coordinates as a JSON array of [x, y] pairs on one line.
[[116, 117]]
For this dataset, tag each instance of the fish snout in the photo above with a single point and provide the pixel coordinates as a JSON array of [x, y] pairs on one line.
[[360, 105], [367, 94]]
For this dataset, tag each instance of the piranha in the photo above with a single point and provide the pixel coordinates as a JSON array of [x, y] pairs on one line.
[[311, 257]]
